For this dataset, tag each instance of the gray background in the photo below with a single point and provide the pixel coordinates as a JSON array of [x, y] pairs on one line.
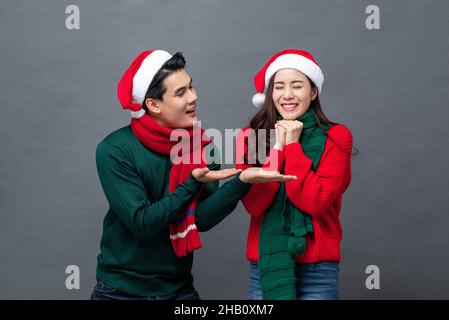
[[58, 99]]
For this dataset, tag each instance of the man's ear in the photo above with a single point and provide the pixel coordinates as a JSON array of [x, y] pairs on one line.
[[314, 93], [152, 106]]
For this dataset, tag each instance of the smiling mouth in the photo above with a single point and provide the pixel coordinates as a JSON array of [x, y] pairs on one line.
[[289, 106], [191, 110]]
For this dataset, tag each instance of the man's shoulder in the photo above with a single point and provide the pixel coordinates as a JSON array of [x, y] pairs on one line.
[[119, 136], [120, 140]]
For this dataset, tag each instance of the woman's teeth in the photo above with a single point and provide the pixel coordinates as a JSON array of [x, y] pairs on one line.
[[289, 106]]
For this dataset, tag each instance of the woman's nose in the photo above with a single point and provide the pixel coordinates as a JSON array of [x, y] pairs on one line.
[[288, 93]]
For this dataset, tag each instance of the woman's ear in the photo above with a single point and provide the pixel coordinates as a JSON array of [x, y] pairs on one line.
[[314, 93], [152, 106]]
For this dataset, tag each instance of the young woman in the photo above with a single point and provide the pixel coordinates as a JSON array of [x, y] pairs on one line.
[[294, 236]]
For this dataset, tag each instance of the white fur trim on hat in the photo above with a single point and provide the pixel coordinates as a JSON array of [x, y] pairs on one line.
[[298, 62], [258, 99], [147, 70], [138, 114]]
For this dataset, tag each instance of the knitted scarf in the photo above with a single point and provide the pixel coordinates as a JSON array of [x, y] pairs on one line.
[[284, 227], [184, 235]]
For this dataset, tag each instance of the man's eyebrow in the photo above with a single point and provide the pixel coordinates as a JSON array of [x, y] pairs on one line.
[[181, 88]]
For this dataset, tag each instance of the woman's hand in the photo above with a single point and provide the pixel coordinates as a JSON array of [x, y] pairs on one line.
[[205, 175], [280, 137], [260, 175], [293, 130]]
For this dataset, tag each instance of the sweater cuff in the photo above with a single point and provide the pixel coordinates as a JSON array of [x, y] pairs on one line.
[[192, 184], [239, 186]]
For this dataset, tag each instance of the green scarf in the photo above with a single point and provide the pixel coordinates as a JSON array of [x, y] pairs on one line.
[[284, 227]]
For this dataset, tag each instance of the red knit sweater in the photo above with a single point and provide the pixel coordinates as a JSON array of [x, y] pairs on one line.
[[317, 193]]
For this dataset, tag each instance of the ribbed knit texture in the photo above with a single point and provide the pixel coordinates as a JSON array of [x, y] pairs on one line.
[[284, 226], [136, 253], [317, 193]]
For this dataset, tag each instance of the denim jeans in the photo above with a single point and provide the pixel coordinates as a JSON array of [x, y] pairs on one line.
[[102, 291], [315, 281]]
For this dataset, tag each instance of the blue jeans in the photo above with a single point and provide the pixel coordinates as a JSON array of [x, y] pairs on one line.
[[315, 281], [102, 291]]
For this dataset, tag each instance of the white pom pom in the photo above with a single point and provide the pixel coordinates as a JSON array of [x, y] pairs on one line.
[[258, 99], [138, 114]]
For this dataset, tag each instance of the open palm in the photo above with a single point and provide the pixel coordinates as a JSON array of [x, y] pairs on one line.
[[260, 175], [205, 175]]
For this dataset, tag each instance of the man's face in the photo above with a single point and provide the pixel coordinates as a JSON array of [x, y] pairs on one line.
[[178, 104]]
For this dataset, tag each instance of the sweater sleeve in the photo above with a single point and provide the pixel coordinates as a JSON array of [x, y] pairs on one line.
[[261, 195], [221, 203], [313, 192], [216, 203], [212, 154], [128, 198]]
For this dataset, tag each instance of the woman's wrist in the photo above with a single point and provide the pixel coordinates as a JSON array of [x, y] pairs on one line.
[[291, 142], [278, 147]]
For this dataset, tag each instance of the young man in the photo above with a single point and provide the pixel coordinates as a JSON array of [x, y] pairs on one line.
[[158, 205]]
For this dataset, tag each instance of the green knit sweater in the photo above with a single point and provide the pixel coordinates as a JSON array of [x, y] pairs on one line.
[[136, 255]]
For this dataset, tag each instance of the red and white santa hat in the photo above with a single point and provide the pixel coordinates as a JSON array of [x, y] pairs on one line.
[[300, 60], [134, 84]]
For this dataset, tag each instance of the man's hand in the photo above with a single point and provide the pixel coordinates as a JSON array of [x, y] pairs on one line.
[[205, 175], [260, 175]]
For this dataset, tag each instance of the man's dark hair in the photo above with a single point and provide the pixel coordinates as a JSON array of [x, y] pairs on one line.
[[156, 89]]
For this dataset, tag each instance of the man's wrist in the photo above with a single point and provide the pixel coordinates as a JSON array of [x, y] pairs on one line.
[[242, 178], [193, 177]]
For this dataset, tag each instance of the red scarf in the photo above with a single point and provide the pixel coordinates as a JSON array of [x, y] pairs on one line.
[[184, 235]]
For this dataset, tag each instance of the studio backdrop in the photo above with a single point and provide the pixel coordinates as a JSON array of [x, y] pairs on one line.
[[386, 68]]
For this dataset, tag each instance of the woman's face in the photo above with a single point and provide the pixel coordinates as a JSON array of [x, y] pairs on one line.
[[292, 93]]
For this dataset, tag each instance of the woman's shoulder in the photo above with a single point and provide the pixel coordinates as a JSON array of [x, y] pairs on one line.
[[341, 135], [340, 131]]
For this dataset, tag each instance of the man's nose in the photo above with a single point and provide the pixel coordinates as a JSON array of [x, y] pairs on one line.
[[192, 96]]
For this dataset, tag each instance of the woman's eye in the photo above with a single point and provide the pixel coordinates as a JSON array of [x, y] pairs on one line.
[[278, 88], [297, 87]]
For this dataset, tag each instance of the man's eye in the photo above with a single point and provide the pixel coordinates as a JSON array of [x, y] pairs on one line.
[[180, 94], [297, 87]]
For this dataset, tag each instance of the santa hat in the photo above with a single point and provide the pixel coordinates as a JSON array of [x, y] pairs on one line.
[[135, 81], [300, 60]]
